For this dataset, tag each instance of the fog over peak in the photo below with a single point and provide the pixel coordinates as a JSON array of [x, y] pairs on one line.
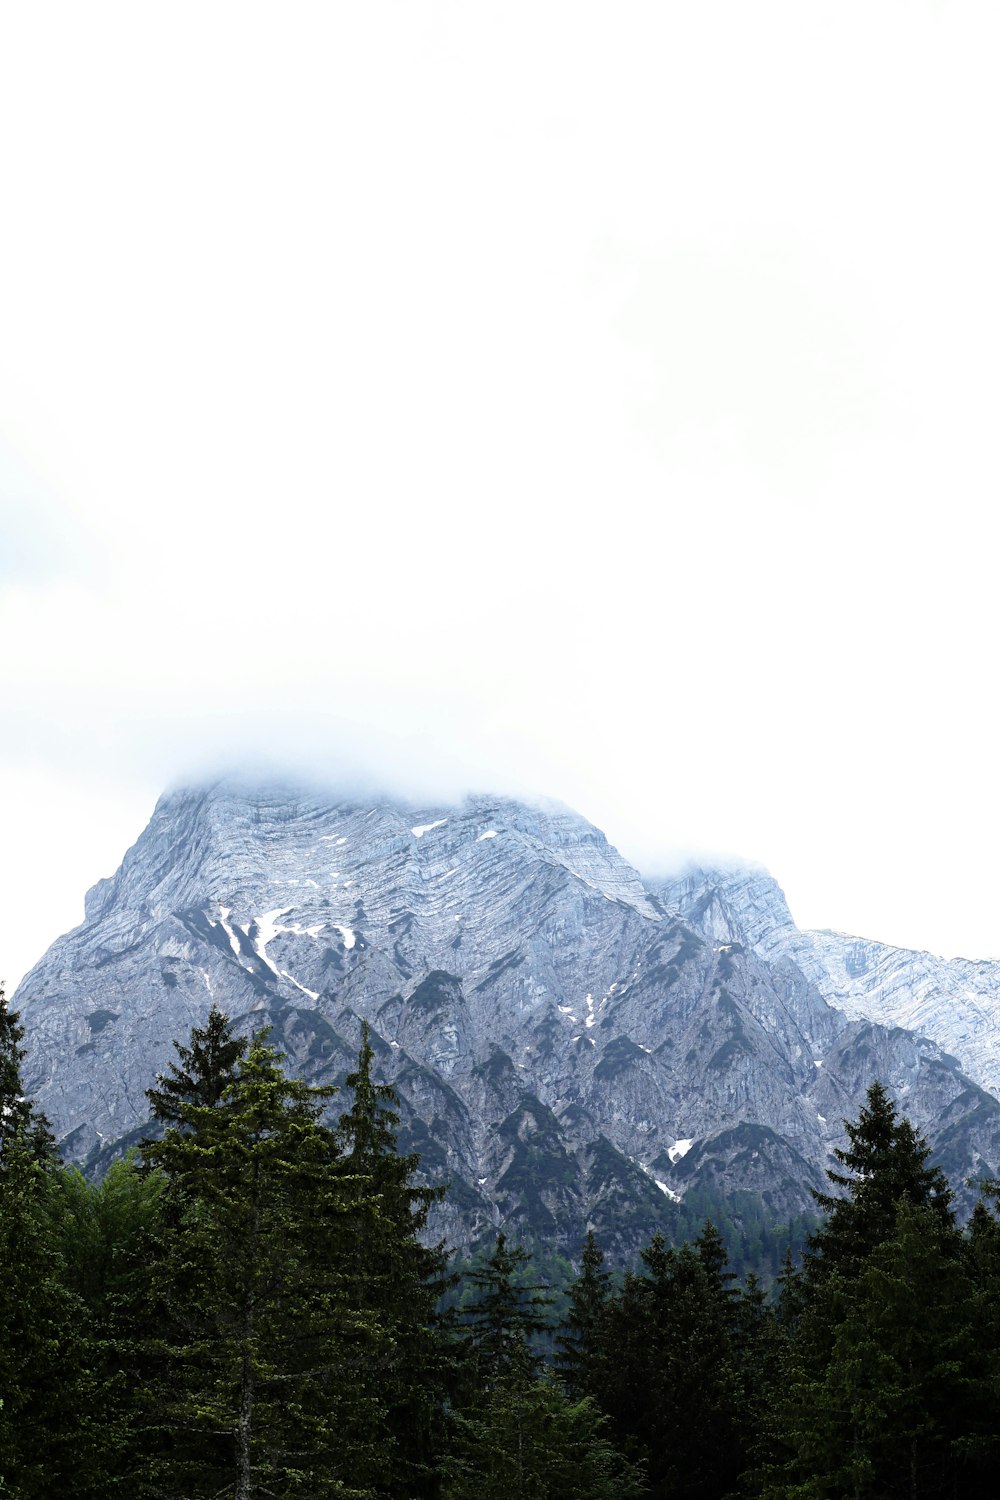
[[476, 397]]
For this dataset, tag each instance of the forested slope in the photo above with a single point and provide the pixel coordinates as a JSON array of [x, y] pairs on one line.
[[247, 1308]]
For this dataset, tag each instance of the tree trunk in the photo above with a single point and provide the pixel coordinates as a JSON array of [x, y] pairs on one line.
[[244, 1428]]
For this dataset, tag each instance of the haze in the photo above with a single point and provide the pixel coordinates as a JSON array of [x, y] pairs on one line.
[[588, 401]]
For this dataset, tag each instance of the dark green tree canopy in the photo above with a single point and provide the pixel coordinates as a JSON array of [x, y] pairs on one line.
[[19, 1119], [207, 1066], [15, 1109], [886, 1162], [578, 1346], [506, 1314]]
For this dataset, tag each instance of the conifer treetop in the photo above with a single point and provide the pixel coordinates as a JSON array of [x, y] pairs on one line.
[[206, 1068]]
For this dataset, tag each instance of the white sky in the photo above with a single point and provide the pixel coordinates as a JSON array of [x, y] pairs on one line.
[[596, 400]]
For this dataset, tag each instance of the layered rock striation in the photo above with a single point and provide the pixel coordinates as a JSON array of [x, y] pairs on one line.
[[571, 1045]]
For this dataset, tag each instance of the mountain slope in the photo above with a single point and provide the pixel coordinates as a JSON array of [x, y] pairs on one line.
[[571, 1045], [955, 1002]]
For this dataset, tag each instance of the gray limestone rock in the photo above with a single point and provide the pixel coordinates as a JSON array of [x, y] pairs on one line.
[[571, 1045], [955, 1002]]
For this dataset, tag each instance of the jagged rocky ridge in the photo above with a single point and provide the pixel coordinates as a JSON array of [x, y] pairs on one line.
[[955, 1002], [572, 1045]]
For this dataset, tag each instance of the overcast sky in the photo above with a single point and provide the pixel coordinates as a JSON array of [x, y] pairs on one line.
[[590, 400]]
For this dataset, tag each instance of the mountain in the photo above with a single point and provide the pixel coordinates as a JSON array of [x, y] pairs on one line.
[[955, 1002], [572, 1045]]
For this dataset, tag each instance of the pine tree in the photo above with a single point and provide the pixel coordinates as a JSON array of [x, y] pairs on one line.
[[885, 1410], [623, 1367], [532, 1442], [517, 1434], [880, 1365], [886, 1162], [106, 1235], [19, 1119], [207, 1067], [760, 1352], [45, 1430], [507, 1313], [671, 1383], [578, 1345], [271, 1379], [982, 1265], [714, 1256], [400, 1279]]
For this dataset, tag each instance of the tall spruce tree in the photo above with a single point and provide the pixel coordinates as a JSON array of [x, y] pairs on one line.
[[880, 1366], [982, 1260], [517, 1434], [46, 1432], [578, 1347], [400, 1279], [19, 1118], [669, 1367], [15, 1111], [886, 1162], [529, 1441], [507, 1312], [106, 1234], [887, 1407], [271, 1379], [207, 1067]]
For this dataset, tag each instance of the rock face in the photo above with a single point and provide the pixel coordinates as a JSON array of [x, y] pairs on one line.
[[571, 1045], [955, 1002]]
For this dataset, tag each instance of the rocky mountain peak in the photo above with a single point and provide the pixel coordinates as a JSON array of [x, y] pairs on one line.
[[566, 1039]]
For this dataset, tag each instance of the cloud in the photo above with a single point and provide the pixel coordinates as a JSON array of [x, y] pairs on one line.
[[495, 396]]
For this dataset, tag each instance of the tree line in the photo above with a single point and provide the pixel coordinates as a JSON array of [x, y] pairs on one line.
[[247, 1307]]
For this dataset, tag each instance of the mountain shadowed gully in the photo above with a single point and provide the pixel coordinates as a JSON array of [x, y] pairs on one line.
[[572, 1045]]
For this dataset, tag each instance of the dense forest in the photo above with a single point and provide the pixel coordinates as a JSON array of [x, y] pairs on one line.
[[246, 1306]]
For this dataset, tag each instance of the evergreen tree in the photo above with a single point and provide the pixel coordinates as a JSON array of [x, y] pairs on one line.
[[271, 1381], [400, 1280], [14, 1108], [519, 1435], [714, 1256], [886, 1163], [789, 1293], [982, 1265], [532, 1442], [207, 1067], [578, 1346], [46, 1429], [761, 1341], [669, 1366], [885, 1411], [878, 1384], [105, 1234], [19, 1119], [623, 1366], [507, 1313]]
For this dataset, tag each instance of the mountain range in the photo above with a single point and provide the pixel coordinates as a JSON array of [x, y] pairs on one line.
[[572, 1044]]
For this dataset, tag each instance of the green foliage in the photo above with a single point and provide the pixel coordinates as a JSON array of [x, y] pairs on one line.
[[756, 1240], [106, 1235], [269, 1378], [886, 1162], [885, 1369], [47, 1433], [400, 1281], [532, 1442], [207, 1067], [253, 1310], [515, 1433], [19, 1120], [578, 1346], [667, 1370], [506, 1313]]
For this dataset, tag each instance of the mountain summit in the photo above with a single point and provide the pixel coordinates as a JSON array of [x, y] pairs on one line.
[[572, 1045]]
